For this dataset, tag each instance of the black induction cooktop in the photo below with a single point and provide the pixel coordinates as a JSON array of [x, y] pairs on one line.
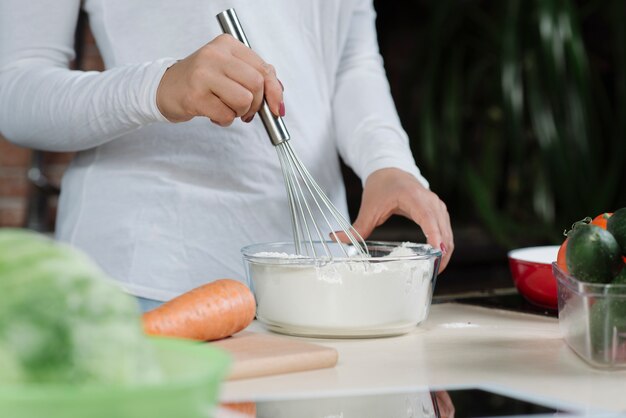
[[445, 403], [510, 302]]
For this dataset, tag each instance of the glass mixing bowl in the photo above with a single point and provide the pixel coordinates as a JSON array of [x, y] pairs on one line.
[[387, 294]]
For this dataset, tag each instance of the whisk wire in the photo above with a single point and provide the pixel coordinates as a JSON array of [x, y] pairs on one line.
[[302, 205], [294, 172], [295, 224], [353, 235], [297, 178], [316, 192], [307, 181]]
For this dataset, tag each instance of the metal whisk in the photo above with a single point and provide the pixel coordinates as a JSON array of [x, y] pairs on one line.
[[306, 197]]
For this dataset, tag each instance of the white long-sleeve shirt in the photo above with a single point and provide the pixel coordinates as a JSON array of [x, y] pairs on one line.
[[166, 207]]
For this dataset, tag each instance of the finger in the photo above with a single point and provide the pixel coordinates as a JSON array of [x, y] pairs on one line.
[[251, 79], [214, 109], [364, 225], [447, 243], [233, 95], [428, 221], [444, 402], [273, 91]]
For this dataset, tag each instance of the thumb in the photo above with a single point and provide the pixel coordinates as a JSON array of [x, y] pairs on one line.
[[363, 225]]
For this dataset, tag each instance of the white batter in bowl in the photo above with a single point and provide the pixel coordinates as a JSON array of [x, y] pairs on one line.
[[386, 294]]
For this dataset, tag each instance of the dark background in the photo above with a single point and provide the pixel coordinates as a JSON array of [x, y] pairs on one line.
[[515, 111]]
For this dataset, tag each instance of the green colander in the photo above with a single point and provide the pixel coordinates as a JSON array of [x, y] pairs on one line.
[[193, 372]]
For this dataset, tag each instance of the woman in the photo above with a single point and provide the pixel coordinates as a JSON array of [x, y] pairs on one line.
[[172, 176]]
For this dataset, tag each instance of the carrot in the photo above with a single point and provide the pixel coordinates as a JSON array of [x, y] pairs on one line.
[[210, 312], [246, 409]]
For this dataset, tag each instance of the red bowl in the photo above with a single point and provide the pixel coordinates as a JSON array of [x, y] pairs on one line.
[[532, 274]]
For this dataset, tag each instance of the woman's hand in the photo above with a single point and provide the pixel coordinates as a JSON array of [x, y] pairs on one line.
[[391, 191], [223, 80], [444, 404]]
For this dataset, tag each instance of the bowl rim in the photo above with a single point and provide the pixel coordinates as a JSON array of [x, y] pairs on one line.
[[514, 254], [589, 289], [430, 252]]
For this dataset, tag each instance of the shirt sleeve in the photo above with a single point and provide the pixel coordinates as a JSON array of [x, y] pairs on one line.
[[368, 129], [45, 105]]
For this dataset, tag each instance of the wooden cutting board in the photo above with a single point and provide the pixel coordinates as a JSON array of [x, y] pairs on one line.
[[258, 355]]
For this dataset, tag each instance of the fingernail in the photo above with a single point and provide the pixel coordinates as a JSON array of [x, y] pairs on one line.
[[443, 249], [248, 119], [281, 84], [281, 110]]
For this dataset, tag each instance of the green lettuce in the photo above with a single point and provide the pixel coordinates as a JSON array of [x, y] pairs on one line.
[[63, 320]]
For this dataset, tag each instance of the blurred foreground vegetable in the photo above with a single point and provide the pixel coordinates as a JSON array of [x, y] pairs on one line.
[[63, 321]]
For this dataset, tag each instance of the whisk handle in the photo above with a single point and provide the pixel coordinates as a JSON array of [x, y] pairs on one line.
[[274, 125]]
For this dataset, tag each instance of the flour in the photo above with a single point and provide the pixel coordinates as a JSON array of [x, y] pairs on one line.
[[402, 250], [377, 295], [271, 254]]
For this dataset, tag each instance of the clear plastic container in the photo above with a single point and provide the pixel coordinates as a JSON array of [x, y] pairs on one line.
[[343, 297], [592, 318]]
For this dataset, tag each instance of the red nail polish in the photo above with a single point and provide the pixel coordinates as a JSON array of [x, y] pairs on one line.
[[443, 249], [281, 110], [248, 119]]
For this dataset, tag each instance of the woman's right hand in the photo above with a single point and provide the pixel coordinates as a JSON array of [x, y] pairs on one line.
[[223, 80]]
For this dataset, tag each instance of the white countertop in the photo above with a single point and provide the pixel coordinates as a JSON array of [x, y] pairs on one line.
[[457, 345]]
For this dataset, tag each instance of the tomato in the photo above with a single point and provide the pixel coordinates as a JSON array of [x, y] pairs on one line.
[[601, 219], [560, 258]]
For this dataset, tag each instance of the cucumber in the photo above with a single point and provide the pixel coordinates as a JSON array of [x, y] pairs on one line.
[[607, 317], [593, 254], [616, 225]]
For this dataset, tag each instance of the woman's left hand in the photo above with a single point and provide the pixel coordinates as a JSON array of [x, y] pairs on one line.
[[391, 191]]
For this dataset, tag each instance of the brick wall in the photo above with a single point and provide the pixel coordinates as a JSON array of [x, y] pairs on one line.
[[13, 184], [16, 191]]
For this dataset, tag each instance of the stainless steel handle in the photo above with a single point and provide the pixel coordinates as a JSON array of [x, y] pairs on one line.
[[274, 125]]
